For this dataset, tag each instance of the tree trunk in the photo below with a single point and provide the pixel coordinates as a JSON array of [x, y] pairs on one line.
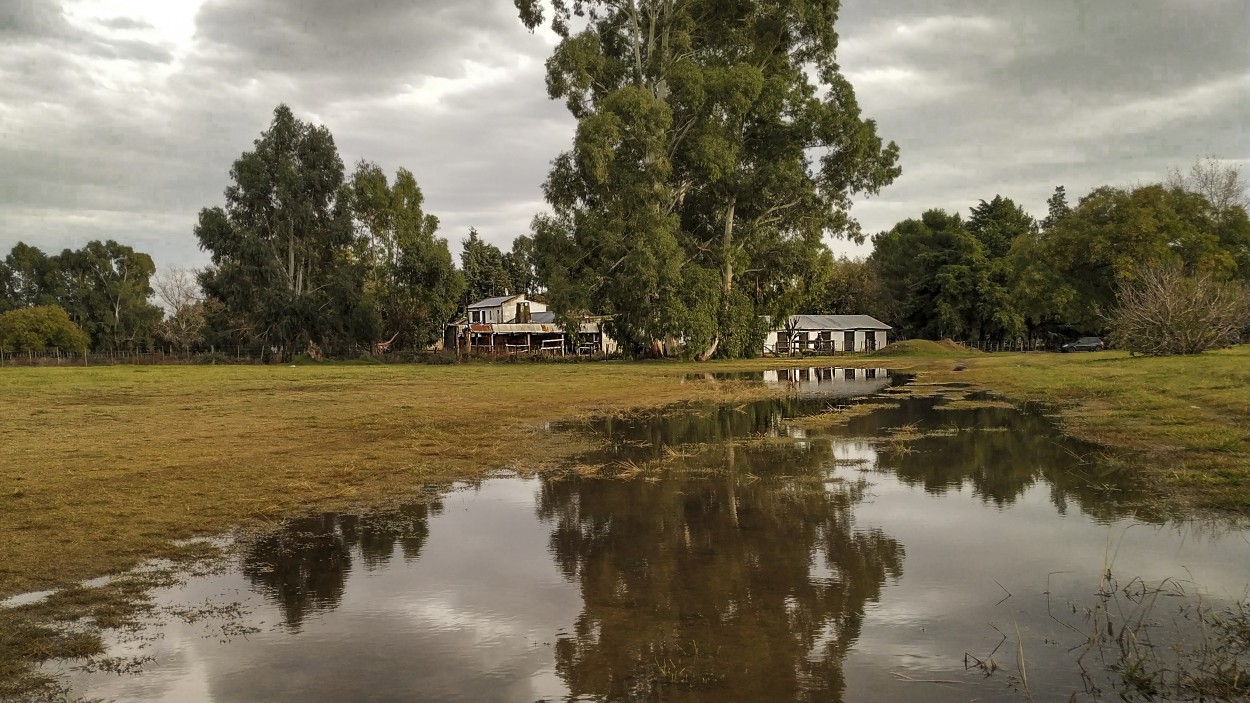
[[727, 278]]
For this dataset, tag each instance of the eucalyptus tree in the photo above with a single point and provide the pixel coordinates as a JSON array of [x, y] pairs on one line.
[[106, 288], [282, 247], [717, 144], [413, 286]]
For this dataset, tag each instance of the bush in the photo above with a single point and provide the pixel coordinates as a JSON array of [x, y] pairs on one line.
[[1160, 310], [40, 329]]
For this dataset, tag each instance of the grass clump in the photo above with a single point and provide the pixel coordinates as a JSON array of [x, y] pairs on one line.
[[925, 348]]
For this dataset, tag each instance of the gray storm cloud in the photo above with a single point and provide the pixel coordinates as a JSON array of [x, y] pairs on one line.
[[110, 130]]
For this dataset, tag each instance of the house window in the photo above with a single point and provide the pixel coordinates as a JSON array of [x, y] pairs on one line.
[[475, 316]]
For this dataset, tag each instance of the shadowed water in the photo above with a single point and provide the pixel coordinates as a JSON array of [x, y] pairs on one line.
[[760, 552]]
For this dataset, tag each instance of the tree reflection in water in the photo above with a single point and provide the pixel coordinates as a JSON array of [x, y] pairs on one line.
[[303, 566], [750, 585]]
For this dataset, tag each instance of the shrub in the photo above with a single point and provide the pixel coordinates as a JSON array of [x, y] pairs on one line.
[[40, 329], [1161, 309]]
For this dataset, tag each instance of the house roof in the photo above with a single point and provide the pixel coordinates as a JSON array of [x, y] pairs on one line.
[[836, 322], [545, 318], [493, 302]]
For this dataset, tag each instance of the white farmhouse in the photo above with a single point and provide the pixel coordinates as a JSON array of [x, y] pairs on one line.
[[512, 324], [504, 309]]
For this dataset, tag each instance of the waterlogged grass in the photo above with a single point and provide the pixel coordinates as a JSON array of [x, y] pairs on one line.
[[102, 468], [1181, 423]]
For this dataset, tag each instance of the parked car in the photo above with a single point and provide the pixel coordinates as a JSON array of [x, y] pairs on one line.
[[1084, 344]]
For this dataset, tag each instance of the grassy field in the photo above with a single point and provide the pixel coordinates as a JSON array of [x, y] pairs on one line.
[[102, 467]]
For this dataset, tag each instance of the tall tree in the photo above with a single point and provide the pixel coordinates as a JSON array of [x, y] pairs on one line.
[[717, 144], [846, 287], [485, 272], [282, 247], [413, 284], [1057, 208], [106, 288], [996, 225], [938, 282], [25, 277], [520, 264]]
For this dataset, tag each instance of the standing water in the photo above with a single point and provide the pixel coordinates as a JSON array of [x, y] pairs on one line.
[[790, 549]]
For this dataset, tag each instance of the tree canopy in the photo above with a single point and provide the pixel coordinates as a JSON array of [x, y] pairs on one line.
[[413, 286], [39, 329], [104, 287], [283, 247], [1066, 275], [716, 146]]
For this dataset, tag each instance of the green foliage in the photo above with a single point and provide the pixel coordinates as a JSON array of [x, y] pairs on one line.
[[104, 287], [845, 287], [520, 264], [937, 281], [996, 225], [413, 286], [486, 273], [1066, 274], [716, 146], [283, 248], [39, 329]]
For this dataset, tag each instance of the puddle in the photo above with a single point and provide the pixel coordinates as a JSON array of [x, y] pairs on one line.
[[837, 382], [773, 555]]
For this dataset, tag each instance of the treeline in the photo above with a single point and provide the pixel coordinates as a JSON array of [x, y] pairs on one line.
[[97, 296], [303, 257], [999, 274], [306, 257]]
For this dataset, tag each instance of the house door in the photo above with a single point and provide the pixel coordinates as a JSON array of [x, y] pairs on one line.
[[871, 339], [849, 344]]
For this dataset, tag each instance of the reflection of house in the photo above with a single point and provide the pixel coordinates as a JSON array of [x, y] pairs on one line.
[[511, 324], [827, 334], [832, 382]]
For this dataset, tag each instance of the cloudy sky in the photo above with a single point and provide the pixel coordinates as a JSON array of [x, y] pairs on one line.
[[120, 118]]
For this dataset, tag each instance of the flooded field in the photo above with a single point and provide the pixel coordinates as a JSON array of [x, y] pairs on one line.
[[935, 547]]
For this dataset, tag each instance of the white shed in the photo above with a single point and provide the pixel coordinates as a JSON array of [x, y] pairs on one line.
[[828, 334]]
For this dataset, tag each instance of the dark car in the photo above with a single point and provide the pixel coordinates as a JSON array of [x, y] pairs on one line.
[[1084, 344]]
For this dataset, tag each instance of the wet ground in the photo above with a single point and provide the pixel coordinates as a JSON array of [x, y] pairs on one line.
[[795, 549]]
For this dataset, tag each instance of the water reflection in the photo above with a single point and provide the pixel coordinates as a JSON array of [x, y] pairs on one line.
[[304, 566], [766, 553], [832, 382], [729, 589], [997, 452]]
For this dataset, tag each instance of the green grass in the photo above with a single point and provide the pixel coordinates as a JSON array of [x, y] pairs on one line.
[[1181, 423]]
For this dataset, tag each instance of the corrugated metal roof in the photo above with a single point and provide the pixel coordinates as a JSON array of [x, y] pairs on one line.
[[493, 302], [545, 318], [517, 328], [836, 322]]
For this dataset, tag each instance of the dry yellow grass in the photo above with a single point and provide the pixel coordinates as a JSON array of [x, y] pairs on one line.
[[103, 467]]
